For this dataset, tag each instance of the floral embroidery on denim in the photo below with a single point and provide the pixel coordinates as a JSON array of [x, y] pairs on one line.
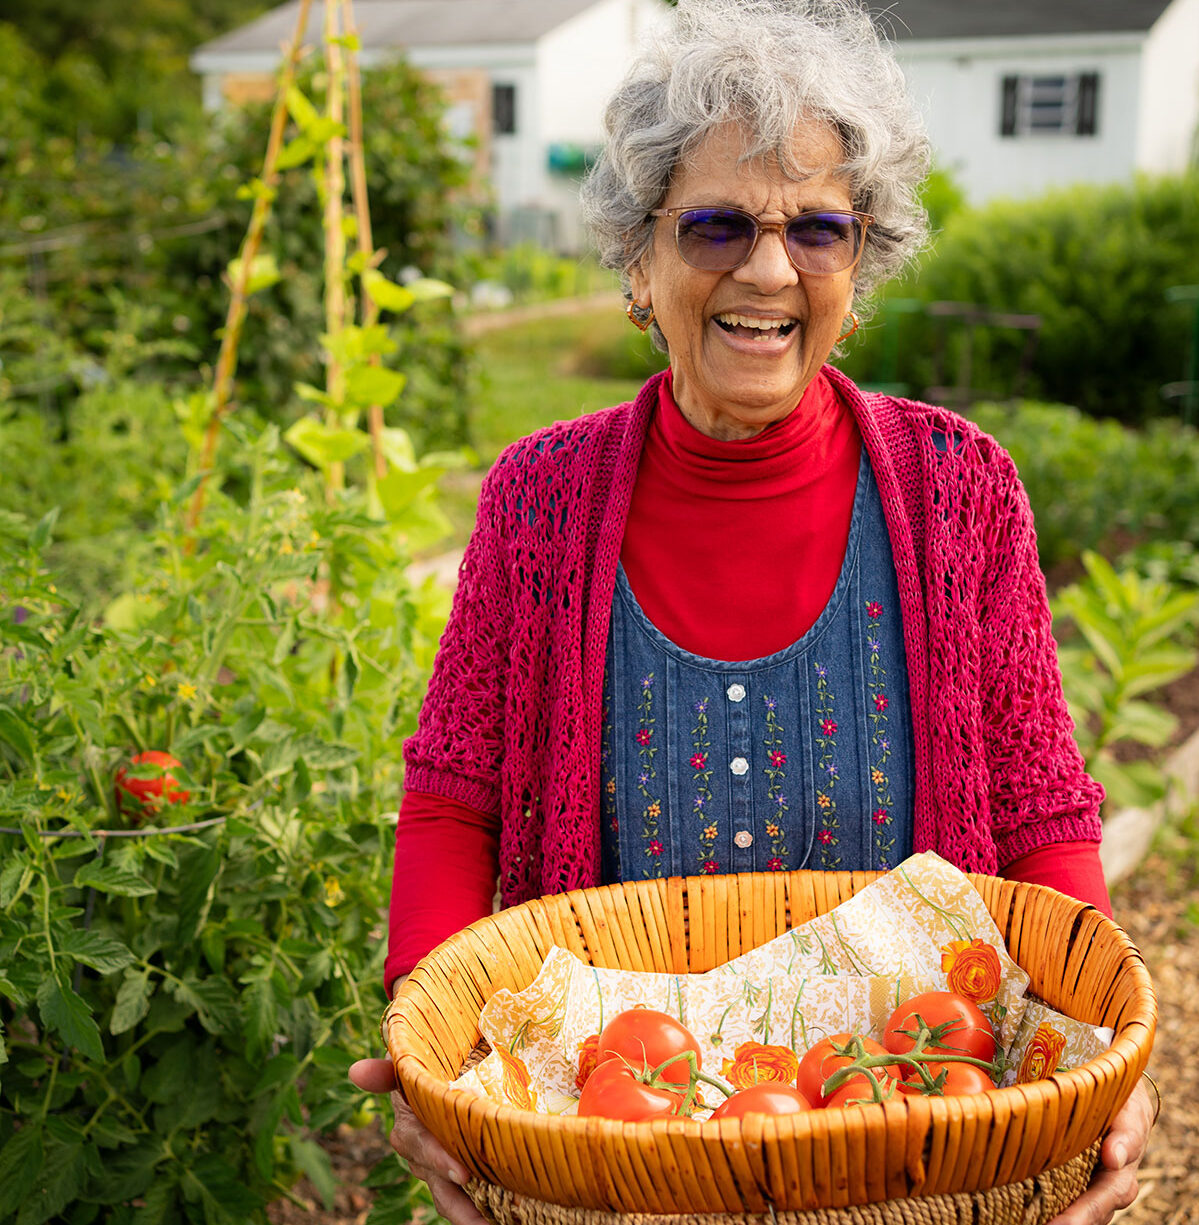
[[827, 838], [608, 799], [775, 771], [646, 775], [880, 814], [701, 805]]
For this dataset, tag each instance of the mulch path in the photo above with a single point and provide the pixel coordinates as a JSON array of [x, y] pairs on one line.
[[1158, 908]]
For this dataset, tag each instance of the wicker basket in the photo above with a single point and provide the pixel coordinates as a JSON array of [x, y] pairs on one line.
[[953, 1151]]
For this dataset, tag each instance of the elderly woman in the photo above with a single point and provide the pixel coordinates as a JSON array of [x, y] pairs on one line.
[[757, 619]]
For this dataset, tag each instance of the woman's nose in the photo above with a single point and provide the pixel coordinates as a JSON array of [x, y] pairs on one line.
[[769, 267]]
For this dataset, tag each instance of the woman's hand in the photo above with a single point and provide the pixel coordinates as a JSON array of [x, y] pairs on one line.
[[424, 1155], [1114, 1184]]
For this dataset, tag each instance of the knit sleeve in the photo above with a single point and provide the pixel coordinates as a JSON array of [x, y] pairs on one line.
[[1040, 792], [457, 749]]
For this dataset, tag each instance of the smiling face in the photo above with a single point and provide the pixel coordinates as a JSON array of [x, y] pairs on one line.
[[745, 344]]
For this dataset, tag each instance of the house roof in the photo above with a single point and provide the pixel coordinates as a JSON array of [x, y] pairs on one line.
[[409, 23], [417, 23], [930, 19]]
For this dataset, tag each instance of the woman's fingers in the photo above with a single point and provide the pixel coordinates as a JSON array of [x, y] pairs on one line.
[[374, 1075], [1114, 1185]]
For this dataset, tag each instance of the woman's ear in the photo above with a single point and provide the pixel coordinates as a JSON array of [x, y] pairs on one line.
[[639, 283]]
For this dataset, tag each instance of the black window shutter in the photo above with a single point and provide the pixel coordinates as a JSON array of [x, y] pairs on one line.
[[1007, 121], [1088, 104]]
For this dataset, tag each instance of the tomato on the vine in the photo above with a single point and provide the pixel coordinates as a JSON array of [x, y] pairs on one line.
[[138, 795], [960, 1078], [647, 1038], [613, 1091], [822, 1060], [962, 1027], [766, 1097], [856, 1091]]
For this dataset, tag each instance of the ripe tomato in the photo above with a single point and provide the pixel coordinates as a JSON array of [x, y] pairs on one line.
[[766, 1097], [136, 796], [646, 1038], [967, 1032], [960, 1078], [613, 1091], [821, 1061], [857, 1092]]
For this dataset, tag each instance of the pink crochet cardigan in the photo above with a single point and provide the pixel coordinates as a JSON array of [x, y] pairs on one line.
[[511, 722]]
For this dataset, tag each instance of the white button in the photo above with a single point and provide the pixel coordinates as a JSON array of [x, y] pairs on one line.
[[743, 838], [739, 766], [735, 692]]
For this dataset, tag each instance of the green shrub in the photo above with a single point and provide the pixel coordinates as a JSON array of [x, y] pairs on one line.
[[1094, 263], [1096, 484]]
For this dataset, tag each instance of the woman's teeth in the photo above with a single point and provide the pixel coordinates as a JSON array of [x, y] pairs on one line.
[[749, 326]]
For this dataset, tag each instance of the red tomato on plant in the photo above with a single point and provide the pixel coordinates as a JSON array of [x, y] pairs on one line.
[[613, 1091], [822, 1060], [646, 1038], [960, 1078], [857, 1091], [966, 1030], [766, 1097], [136, 796]]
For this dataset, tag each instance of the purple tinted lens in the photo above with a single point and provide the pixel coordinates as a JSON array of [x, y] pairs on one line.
[[823, 242], [715, 238]]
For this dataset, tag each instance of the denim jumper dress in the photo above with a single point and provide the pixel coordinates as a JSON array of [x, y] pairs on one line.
[[801, 759]]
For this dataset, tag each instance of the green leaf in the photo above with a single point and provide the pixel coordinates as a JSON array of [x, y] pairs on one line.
[[198, 871], [17, 734], [59, 1182], [1157, 667], [213, 1000], [367, 385], [1135, 784], [221, 1189], [300, 108], [102, 953], [314, 1161], [324, 754], [108, 878], [387, 295], [296, 152], [68, 1015], [324, 445], [21, 1161], [261, 1017], [426, 289], [132, 1002], [263, 272], [43, 530], [1142, 722], [399, 489]]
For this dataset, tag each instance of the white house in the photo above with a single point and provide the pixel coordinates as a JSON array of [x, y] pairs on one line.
[[1020, 95], [527, 78], [1024, 95]]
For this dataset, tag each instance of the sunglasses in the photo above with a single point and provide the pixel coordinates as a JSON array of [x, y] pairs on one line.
[[819, 242]]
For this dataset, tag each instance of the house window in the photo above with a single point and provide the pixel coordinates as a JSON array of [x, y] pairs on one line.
[[1050, 104], [503, 109]]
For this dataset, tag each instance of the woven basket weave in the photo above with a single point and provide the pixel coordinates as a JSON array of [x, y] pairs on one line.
[[966, 1156]]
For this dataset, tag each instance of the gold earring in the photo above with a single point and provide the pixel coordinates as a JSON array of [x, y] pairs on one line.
[[641, 323], [856, 320]]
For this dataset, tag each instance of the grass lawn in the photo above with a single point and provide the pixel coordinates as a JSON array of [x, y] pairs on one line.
[[534, 373]]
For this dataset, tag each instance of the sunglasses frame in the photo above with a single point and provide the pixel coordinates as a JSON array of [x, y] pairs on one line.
[[761, 227]]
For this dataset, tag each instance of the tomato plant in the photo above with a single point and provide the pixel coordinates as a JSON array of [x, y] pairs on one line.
[[766, 1097], [616, 1091], [955, 1025], [149, 784], [646, 1039], [830, 1055]]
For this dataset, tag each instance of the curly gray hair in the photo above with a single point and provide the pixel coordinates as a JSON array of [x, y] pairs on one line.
[[768, 66]]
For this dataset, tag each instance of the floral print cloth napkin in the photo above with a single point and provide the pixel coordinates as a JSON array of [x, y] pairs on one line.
[[921, 927]]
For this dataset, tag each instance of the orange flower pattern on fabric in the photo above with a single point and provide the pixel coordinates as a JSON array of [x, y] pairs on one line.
[[588, 1054], [973, 969], [754, 1062], [517, 1089], [1042, 1055]]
